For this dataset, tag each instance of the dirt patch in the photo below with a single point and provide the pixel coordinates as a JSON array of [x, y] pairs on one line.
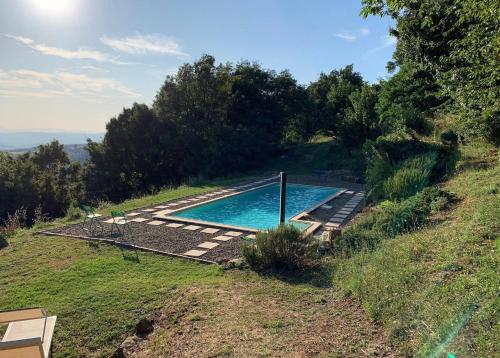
[[249, 320]]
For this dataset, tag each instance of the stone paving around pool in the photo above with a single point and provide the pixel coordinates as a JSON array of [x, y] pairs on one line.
[[207, 243], [143, 231]]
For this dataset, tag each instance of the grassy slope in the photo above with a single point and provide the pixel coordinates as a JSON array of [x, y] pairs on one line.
[[418, 285], [99, 295], [424, 285]]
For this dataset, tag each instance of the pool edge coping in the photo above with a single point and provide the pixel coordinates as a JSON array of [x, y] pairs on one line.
[[311, 229]]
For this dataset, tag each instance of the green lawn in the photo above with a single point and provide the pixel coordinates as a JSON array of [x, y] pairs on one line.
[[97, 294]]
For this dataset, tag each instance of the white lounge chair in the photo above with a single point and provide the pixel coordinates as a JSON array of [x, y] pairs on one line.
[[28, 335]]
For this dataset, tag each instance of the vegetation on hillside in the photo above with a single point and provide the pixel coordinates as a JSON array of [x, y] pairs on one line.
[[429, 275]]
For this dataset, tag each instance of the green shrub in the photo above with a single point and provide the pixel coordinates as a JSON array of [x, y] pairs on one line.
[[378, 170], [411, 177], [74, 212], [389, 220], [280, 248]]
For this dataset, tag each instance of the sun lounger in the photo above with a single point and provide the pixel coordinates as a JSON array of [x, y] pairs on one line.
[[29, 333]]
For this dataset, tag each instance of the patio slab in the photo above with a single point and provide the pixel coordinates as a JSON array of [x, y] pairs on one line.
[[148, 210], [210, 230], [332, 225], [191, 227], [233, 233], [195, 253], [222, 238], [342, 216], [133, 214], [156, 222], [208, 245], [139, 220], [175, 225]]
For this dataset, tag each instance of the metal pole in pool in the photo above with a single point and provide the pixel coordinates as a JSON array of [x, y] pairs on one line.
[[282, 196]]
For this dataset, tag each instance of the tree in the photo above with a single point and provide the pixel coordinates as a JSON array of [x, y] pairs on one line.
[[361, 121], [45, 179], [401, 100], [454, 43], [330, 95], [137, 153]]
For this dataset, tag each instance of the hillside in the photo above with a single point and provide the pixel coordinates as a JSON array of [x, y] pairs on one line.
[[422, 294], [436, 289], [15, 140], [75, 152]]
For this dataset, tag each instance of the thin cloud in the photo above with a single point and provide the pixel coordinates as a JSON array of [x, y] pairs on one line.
[[352, 35], [28, 83], [389, 40], [80, 54], [144, 44], [385, 42]]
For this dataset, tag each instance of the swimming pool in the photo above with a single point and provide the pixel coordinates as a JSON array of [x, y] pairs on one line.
[[259, 208]]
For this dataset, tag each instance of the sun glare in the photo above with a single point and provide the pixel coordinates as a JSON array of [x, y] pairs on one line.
[[55, 8]]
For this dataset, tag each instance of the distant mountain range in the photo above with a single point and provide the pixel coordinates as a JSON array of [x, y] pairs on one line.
[[75, 152], [23, 142], [13, 141]]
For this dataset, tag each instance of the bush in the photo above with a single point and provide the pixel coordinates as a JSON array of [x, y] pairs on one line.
[[389, 220], [449, 137], [411, 177], [378, 170], [13, 223], [282, 248], [74, 212]]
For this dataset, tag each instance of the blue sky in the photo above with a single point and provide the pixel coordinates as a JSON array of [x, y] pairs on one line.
[[73, 64]]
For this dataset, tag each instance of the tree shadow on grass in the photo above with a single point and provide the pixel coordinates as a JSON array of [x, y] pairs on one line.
[[130, 254], [318, 276]]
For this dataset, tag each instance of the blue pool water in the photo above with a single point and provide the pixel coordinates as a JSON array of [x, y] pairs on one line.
[[259, 208]]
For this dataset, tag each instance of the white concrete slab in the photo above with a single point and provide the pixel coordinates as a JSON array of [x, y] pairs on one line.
[[208, 245], [222, 238], [156, 222], [191, 227], [133, 214], [332, 225], [195, 253], [175, 225], [139, 220], [233, 233], [210, 230]]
